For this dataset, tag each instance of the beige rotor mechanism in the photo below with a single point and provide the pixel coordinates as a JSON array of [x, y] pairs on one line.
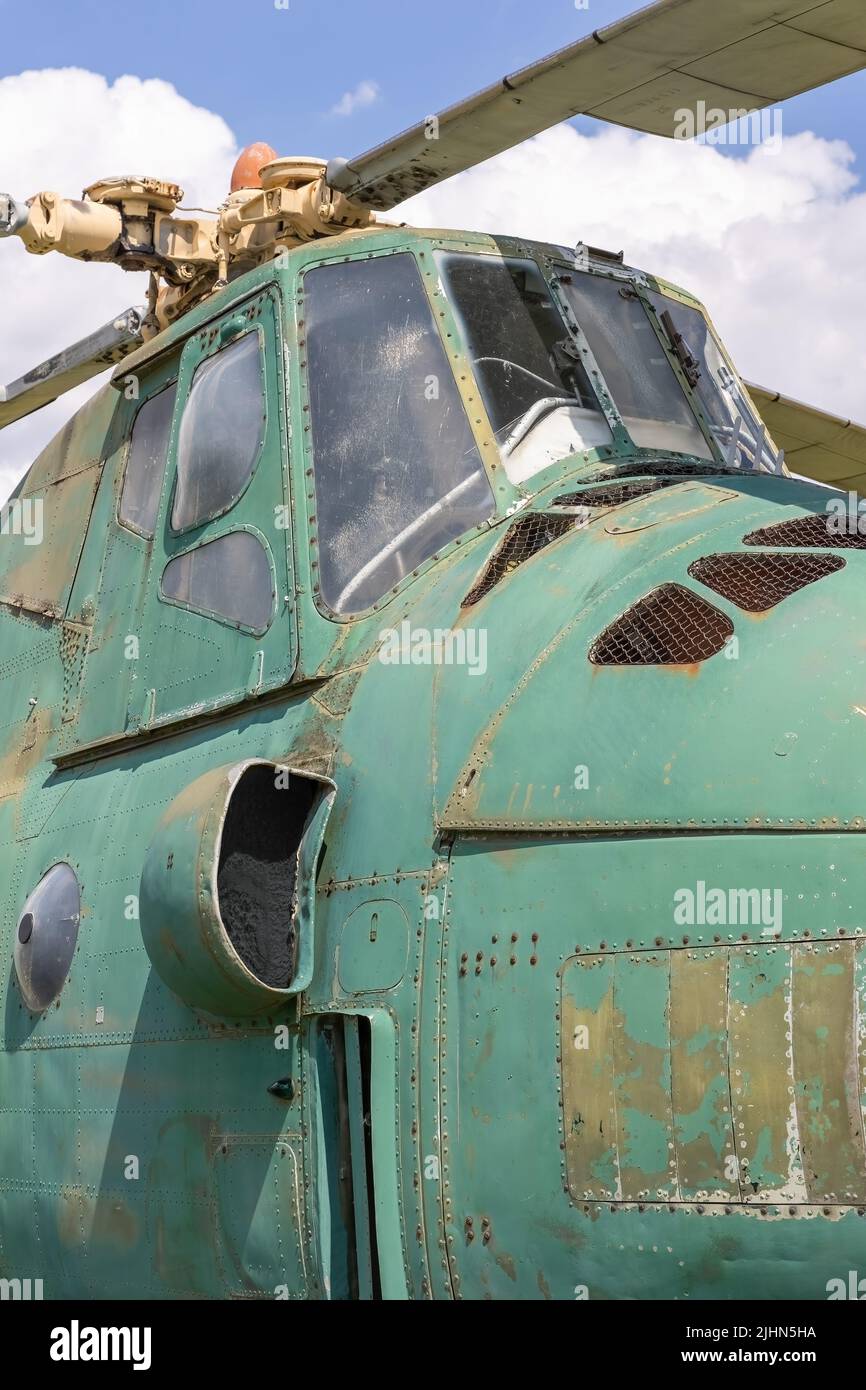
[[133, 222]]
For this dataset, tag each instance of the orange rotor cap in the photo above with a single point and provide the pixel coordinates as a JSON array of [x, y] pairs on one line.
[[245, 174]]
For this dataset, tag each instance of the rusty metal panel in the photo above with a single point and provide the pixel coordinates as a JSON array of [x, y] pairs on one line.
[[39, 578]]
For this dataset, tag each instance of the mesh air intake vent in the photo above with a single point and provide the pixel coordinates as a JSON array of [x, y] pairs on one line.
[[522, 540], [612, 494], [758, 582], [661, 468], [805, 532], [671, 626]]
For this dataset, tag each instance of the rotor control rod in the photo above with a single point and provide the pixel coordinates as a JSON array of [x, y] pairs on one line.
[[76, 227]]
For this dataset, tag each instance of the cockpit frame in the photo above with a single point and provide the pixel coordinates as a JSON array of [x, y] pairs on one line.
[[508, 495]]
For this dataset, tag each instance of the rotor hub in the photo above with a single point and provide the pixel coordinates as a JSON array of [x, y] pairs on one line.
[[123, 188]]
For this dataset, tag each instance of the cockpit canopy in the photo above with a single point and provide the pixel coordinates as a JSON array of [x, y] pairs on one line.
[[408, 363]]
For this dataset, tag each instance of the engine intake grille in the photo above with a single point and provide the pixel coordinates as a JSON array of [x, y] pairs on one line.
[[804, 532], [612, 494], [522, 540], [758, 582], [669, 627], [661, 468]]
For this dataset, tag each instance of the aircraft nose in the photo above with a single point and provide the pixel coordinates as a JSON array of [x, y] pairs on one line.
[[704, 678]]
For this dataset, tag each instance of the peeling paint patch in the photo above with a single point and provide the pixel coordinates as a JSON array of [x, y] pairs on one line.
[[719, 1075]]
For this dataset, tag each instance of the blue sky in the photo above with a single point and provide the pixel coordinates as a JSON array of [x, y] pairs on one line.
[[768, 243], [275, 74]]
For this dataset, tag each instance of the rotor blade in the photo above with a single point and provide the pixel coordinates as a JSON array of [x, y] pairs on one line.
[[644, 72], [820, 446], [74, 365]]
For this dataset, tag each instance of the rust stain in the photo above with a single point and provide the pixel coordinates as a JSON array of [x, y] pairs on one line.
[[114, 1224], [691, 669], [506, 1264]]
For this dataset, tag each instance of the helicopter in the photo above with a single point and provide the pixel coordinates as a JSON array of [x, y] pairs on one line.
[[432, 853]]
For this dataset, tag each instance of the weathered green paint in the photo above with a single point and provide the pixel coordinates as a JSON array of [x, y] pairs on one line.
[[707, 1141], [685, 1032]]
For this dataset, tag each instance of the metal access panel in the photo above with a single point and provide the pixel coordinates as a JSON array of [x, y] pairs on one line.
[[729, 1075], [636, 1106]]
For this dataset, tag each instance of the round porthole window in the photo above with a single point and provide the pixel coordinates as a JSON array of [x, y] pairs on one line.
[[46, 935]]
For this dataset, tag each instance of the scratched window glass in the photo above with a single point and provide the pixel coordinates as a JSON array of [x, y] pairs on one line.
[[734, 422], [398, 474], [228, 578], [637, 372], [535, 387], [221, 433], [145, 462]]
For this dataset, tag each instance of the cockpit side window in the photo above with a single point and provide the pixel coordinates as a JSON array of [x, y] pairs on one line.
[[640, 378], [221, 433], [398, 474], [228, 578], [145, 462], [526, 362]]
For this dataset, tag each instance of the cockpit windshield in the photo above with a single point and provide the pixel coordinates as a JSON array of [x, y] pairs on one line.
[[568, 363], [397, 471], [739, 433], [633, 362], [531, 364], [535, 387]]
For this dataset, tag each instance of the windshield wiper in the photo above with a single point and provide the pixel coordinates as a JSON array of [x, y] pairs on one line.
[[690, 365], [568, 362]]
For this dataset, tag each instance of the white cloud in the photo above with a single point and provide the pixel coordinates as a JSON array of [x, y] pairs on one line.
[[70, 128], [767, 242], [365, 94]]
